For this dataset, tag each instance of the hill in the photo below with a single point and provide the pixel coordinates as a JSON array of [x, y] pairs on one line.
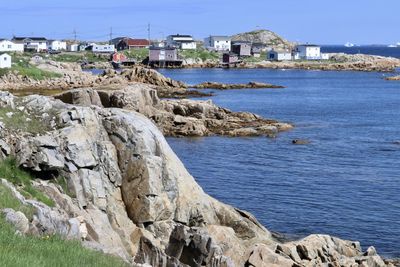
[[269, 38]]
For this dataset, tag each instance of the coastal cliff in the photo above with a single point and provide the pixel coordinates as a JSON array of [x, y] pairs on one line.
[[129, 195]]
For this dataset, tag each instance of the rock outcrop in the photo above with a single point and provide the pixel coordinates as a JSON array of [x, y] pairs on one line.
[[265, 37], [227, 86], [177, 117], [128, 194]]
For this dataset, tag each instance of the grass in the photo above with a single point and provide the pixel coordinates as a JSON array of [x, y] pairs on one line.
[[45, 251], [7, 200], [201, 53], [19, 120], [78, 57], [23, 67], [139, 54], [10, 171]]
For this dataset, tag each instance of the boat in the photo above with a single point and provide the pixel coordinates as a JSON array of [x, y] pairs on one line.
[[348, 44]]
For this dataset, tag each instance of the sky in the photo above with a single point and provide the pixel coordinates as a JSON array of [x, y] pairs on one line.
[[313, 21]]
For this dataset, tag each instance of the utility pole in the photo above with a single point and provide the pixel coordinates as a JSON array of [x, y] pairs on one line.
[[74, 32], [111, 34], [148, 31]]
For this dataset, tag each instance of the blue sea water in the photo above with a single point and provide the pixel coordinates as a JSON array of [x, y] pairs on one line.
[[378, 50], [346, 182]]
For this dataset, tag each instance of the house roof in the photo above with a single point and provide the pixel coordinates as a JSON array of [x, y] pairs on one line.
[[309, 45], [216, 37], [30, 38], [241, 42], [280, 51], [181, 35], [162, 48], [136, 42]]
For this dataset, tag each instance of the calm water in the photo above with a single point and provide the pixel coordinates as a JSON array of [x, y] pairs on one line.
[[367, 49], [345, 183]]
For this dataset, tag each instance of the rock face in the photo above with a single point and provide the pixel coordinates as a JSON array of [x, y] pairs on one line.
[[128, 194], [226, 86], [266, 37], [177, 117]]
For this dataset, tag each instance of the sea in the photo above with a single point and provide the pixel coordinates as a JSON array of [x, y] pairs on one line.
[[345, 182]]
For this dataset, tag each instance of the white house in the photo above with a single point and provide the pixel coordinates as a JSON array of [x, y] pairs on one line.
[[279, 55], [181, 41], [218, 43], [32, 43], [5, 61], [309, 52], [73, 47], [56, 45], [8, 46], [98, 48]]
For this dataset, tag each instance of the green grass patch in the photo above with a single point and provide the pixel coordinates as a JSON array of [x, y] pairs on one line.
[[10, 171], [78, 57], [138, 54], [45, 251], [19, 120], [201, 53], [7, 200], [25, 69]]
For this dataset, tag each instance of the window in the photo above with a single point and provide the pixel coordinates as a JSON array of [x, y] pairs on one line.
[[5, 59]]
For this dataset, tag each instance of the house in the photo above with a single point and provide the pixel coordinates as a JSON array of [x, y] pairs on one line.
[[218, 43], [279, 55], [230, 58], [56, 45], [129, 43], [241, 48], [308, 52], [8, 46], [35, 44], [100, 48], [181, 41], [163, 53], [73, 47], [164, 57], [116, 40], [5, 61], [257, 49]]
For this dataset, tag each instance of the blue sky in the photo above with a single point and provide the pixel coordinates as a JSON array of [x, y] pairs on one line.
[[315, 21]]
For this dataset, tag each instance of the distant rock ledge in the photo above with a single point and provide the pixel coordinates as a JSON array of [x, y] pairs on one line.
[[227, 86], [393, 78]]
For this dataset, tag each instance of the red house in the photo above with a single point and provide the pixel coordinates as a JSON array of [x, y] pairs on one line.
[[129, 43]]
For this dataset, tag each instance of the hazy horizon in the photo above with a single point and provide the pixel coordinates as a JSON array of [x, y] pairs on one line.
[[333, 22]]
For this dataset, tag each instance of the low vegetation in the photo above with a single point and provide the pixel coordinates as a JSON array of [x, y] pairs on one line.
[[10, 171], [45, 251], [15, 119], [79, 57], [22, 66], [139, 54], [201, 53]]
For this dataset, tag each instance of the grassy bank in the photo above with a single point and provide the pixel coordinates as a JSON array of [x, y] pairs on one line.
[[11, 172], [15, 119], [22, 66], [201, 53], [47, 251]]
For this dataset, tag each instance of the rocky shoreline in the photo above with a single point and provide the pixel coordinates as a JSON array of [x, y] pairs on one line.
[[129, 195]]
